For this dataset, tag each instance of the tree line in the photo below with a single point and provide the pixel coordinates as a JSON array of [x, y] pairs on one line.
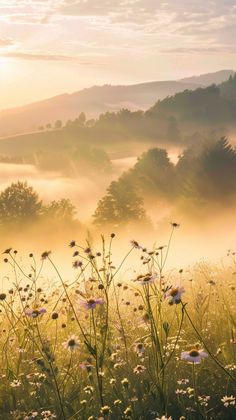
[[20, 204], [204, 174]]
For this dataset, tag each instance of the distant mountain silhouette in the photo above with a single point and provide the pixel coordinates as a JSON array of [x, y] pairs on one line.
[[177, 120], [210, 78], [96, 100]]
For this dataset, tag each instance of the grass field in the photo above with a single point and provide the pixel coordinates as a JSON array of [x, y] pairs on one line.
[[104, 345]]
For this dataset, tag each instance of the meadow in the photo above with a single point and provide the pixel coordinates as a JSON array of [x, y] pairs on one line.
[[107, 344]]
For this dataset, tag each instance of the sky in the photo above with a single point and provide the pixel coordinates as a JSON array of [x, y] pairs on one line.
[[48, 47]]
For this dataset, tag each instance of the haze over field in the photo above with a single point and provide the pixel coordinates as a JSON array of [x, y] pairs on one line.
[[134, 129]]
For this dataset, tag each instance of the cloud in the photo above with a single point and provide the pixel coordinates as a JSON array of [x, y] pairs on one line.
[[201, 50], [5, 42], [177, 22], [145, 26], [42, 57]]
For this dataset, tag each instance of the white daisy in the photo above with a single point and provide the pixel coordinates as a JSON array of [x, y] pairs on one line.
[[228, 400], [193, 356], [72, 343]]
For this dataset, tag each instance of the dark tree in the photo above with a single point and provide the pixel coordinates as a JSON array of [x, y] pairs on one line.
[[208, 173], [60, 211], [120, 205], [153, 174], [82, 119], [58, 124], [173, 132], [19, 203]]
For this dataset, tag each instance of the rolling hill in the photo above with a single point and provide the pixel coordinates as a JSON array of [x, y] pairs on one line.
[[96, 100], [175, 121]]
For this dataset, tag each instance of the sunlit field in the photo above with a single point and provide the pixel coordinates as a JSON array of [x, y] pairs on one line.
[[106, 344]]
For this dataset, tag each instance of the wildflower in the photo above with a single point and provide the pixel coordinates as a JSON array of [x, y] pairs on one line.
[[72, 343], [183, 382], [101, 374], [15, 383], [72, 244], [203, 400], [34, 313], [193, 356], [135, 244], [83, 402], [128, 412], [105, 410], [92, 303], [227, 401], [55, 315], [146, 279], [125, 383], [139, 349], [88, 389], [112, 381], [86, 365], [3, 296], [139, 369], [175, 225], [117, 402], [164, 418], [212, 282], [77, 264], [31, 415], [230, 367], [48, 415], [180, 391], [174, 294], [118, 365], [45, 255], [7, 251]]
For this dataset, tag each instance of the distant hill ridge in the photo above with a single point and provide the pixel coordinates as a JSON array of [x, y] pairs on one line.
[[176, 120], [99, 99]]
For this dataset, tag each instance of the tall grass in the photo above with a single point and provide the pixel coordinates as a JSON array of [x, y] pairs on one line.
[[160, 344]]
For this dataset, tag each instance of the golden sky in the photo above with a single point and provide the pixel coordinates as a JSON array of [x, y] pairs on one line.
[[48, 47]]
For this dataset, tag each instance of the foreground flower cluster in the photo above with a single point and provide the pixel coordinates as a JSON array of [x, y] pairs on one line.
[[103, 346]]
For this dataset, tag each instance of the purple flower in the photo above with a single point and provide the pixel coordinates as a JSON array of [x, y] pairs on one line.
[[34, 313], [174, 294], [194, 355], [92, 303]]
